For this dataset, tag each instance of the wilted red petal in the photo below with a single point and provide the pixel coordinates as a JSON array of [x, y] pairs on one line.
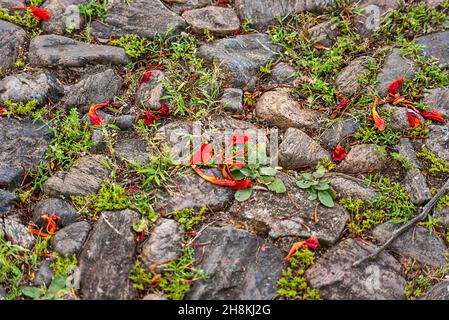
[[394, 86], [241, 184], [233, 184], [413, 119], [203, 155], [339, 153], [164, 111], [377, 119], [51, 224], [433, 115], [38, 13], [343, 105], [312, 243], [149, 119], [3, 112], [95, 119], [145, 78], [37, 232], [238, 139]]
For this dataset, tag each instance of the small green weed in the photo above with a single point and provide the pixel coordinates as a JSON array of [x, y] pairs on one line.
[[318, 187]]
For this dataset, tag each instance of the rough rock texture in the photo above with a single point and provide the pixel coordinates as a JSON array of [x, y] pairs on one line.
[[347, 81], [416, 185], [18, 234], [217, 20], [164, 242], [95, 88], [145, 18], [438, 99], [7, 202], [195, 192], [416, 243], [263, 13], [396, 118], [437, 46], [283, 73], [108, 257], [65, 15], [276, 215], [2, 294], [298, 149], [394, 68], [54, 50], [125, 122], [236, 267], [324, 33], [405, 148], [232, 100], [439, 291], [372, 12], [10, 3], [68, 241], [348, 187], [83, 179], [150, 93], [12, 38], [55, 207], [23, 146], [335, 134], [438, 141], [24, 87], [179, 6], [44, 275], [363, 158], [334, 276], [240, 58], [279, 109], [134, 150]]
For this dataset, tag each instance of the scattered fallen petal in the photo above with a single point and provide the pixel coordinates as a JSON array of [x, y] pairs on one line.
[[377, 119], [413, 119], [38, 13], [339, 153], [203, 155], [95, 119], [433, 115], [394, 86], [311, 243]]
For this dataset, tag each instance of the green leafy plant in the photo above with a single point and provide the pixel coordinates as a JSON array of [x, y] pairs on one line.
[[112, 196], [415, 288], [435, 164], [189, 217], [56, 290], [134, 46], [20, 109], [403, 160], [318, 187]]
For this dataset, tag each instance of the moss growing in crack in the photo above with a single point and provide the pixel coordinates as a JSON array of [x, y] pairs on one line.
[[403, 160], [175, 279], [20, 109], [189, 217], [63, 265], [134, 46], [436, 165], [292, 285], [415, 288], [112, 196]]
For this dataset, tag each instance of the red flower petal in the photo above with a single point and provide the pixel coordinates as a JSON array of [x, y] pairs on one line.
[[165, 111], [433, 115], [3, 112], [339, 153], [38, 13], [238, 139], [95, 119], [394, 86], [312, 243], [413, 119], [145, 78], [148, 118], [233, 184], [377, 119], [342, 106], [203, 155]]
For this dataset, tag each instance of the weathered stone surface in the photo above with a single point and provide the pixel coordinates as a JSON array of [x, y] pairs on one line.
[[324, 33], [150, 93], [164, 242], [44, 275], [179, 6], [347, 81], [372, 12], [363, 158], [405, 148], [336, 279], [440, 291], [7, 202], [348, 187], [108, 257], [23, 146], [217, 20], [394, 68], [340, 130], [95, 88], [55, 207], [416, 243], [416, 185], [298, 149], [83, 179], [263, 13], [232, 100], [438, 141], [99, 143], [54, 50], [24, 87], [10, 3], [125, 122], [134, 150], [65, 15], [240, 58], [396, 118], [278, 108], [283, 73], [438, 100], [68, 241], [443, 215], [145, 18], [18, 234], [12, 38], [153, 296], [437, 46], [276, 215], [236, 267], [195, 192], [2, 294]]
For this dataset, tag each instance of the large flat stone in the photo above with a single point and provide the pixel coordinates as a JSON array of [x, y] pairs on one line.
[[236, 267], [437, 46], [65, 16], [12, 38], [54, 50], [215, 19], [393, 69]]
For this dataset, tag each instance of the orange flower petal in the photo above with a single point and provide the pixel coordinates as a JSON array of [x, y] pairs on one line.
[[433, 115], [413, 119], [394, 86], [95, 119], [377, 119]]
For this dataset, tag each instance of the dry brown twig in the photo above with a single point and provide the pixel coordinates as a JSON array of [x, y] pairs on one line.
[[425, 211]]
